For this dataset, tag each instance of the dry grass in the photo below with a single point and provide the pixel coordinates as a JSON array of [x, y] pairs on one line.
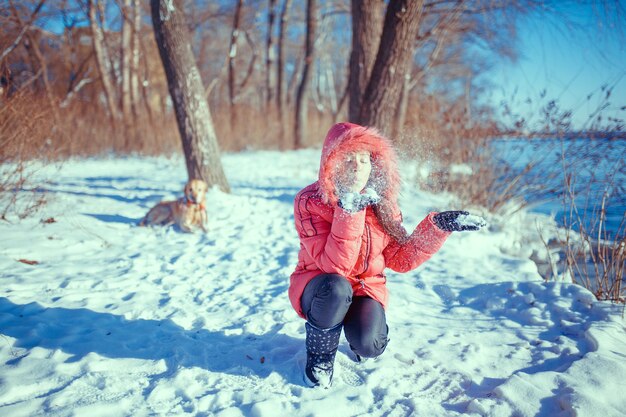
[[477, 168], [24, 136], [33, 134], [589, 254], [256, 128], [592, 255], [87, 131], [503, 176]]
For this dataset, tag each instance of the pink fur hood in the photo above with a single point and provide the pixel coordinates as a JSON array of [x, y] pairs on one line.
[[343, 138]]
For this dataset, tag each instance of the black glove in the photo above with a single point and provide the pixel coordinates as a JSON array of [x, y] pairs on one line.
[[458, 221]]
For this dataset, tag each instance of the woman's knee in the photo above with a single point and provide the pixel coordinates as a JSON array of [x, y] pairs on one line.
[[326, 300], [366, 327], [369, 345], [330, 289], [336, 288]]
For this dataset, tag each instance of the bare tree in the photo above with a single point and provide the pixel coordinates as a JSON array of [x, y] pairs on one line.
[[270, 55], [280, 67], [23, 31], [394, 55], [195, 125], [438, 36], [77, 63], [281, 87], [367, 25], [32, 45], [126, 54], [134, 62], [302, 97], [102, 60], [232, 54]]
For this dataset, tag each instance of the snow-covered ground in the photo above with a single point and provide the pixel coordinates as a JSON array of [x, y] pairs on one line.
[[118, 320]]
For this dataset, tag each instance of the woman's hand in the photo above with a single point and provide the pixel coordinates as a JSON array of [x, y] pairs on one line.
[[458, 221], [353, 202]]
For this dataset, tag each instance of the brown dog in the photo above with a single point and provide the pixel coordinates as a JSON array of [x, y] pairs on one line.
[[187, 212]]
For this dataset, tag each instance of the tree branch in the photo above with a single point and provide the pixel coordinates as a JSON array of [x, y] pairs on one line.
[[17, 41]]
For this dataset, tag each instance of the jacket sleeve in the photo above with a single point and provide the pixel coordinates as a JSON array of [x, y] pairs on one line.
[[333, 246], [423, 243]]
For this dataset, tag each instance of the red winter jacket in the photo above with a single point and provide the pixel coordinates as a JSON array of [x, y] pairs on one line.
[[355, 245]]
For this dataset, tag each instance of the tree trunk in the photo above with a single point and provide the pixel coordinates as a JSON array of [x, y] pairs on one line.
[[411, 81], [130, 136], [402, 107], [134, 63], [102, 61], [280, 70], [270, 55], [468, 100], [126, 54], [232, 53], [367, 25], [24, 29], [330, 86], [144, 85], [395, 52], [281, 87], [195, 125], [302, 97]]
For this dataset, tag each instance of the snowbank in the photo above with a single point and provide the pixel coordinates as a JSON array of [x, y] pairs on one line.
[[114, 319]]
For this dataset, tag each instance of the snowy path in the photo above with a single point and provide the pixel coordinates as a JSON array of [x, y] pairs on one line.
[[117, 320]]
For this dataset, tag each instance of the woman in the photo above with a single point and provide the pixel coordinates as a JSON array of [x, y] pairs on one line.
[[350, 230]]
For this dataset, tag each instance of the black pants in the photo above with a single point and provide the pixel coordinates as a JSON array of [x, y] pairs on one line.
[[328, 301]]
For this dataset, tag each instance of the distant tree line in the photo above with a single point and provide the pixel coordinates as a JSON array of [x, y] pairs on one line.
[[267, 57], [275, 73]]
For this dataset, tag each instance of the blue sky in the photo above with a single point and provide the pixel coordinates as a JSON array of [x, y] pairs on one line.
[[569, 61]]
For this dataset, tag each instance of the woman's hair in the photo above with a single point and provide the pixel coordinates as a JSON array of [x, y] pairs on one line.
[[384, 213], [386, 210]]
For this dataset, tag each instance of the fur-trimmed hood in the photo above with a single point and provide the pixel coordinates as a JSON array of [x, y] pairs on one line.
[[343, 138]]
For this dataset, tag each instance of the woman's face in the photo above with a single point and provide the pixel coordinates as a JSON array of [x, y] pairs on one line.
[[354, 172]]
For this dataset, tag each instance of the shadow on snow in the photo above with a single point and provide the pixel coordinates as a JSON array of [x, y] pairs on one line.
[[79, 332], [564, 314]]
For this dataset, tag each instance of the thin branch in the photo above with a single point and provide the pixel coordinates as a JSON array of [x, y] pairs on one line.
[[17, 41]]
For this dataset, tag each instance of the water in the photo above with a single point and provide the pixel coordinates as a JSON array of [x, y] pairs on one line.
[[594, 169]]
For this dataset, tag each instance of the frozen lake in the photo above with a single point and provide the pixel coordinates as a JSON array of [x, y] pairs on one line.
[[594, 168]]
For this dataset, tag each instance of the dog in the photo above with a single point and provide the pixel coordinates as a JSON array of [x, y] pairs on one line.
[[187, 212]]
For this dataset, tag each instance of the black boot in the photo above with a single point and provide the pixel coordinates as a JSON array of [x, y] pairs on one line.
[[321, 347]]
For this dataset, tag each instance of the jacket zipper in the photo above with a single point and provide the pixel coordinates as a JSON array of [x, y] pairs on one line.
[[367, 254]]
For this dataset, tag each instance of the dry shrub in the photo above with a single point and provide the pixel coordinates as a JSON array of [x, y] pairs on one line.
[[94, 133], [507, 174], [466, 160], [596, 259], [590, 253], [89, 131], [499, 174], [82, 129], [254, 128], [25, 134], [33, 135], [85, 129]]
